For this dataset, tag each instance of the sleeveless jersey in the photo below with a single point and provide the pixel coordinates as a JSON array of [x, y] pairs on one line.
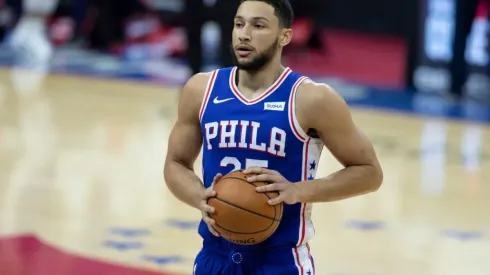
[[239, 133]]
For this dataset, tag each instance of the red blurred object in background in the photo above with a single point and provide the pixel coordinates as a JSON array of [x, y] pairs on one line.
[[61, 30]]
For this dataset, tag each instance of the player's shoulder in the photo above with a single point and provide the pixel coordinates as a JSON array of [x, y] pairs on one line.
[[315, 94], [194, 89], [318, 100], [197, 83], [193, 92]]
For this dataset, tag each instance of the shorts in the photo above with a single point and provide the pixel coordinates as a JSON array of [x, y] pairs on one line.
[[214, 259]]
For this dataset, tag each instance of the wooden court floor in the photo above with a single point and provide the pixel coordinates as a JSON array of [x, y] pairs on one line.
[[81, 170]]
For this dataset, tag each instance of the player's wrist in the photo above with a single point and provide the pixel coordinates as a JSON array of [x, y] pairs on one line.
[[310, 191], [303, 191], [197, 201]]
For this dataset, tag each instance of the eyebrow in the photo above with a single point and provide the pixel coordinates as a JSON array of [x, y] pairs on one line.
[[254, 18]]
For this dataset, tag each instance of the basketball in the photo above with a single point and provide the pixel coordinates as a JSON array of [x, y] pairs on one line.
[[243, 215]]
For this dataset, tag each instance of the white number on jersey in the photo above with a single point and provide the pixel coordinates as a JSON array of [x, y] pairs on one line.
[[237, 165]]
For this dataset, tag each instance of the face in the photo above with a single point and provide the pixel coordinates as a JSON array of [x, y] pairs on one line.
[[257, 35]]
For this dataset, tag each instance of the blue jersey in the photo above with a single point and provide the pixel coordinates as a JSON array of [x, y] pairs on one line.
[[239, 133]]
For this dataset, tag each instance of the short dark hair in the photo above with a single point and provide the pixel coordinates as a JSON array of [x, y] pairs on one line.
[[283, 11]]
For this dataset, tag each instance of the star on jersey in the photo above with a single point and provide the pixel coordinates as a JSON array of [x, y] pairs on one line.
[[308, 272], [313, 165], [311, 170]]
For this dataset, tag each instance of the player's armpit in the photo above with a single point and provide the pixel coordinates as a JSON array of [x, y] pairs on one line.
[[185, 143], [319, 107]]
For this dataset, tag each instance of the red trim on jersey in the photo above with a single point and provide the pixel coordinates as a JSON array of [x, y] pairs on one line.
[[303, 224], [303, 205], [292, 116], [311, 258], [267, 92], [298, 261], [209, 88]]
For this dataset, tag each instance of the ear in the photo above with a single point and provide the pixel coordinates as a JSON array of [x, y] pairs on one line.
[[286, 37]]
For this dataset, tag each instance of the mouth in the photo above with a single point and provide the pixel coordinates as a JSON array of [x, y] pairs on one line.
[[244, 50]]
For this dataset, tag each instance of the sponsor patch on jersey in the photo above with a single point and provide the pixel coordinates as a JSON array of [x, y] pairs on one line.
[[274, 106]]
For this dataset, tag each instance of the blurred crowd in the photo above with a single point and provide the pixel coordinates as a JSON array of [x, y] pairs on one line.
[[464, 17], [102, 25]]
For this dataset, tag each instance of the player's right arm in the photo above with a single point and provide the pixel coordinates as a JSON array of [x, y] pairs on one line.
[[185, 143], [183, 148]]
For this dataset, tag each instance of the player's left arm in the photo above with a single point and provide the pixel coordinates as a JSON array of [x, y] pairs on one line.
[[321, 108]]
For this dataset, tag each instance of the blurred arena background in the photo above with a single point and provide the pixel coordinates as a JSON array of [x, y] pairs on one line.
[[407, 44], [87, 97]]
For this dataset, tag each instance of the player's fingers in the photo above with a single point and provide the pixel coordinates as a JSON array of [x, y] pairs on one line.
[[270, 187], [217, 178], [207, 208], [209, 193], [276, 200], [213, 231], [265, 177], [259, 170], [210, 222]]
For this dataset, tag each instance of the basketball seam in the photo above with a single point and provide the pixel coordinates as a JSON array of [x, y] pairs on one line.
[[249, 233], [251, 183], [273, 224], [249, 211]]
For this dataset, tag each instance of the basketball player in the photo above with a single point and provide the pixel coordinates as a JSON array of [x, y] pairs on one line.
[[265, 119]]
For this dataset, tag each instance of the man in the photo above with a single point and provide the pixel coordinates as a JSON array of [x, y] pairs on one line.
[[314, 11], [195, 17], [465, 12], [269, 121]]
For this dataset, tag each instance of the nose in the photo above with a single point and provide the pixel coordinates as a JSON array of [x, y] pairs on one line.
[[245, 34]]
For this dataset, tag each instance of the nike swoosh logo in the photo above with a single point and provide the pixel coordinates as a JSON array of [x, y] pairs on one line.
[[218, 101]]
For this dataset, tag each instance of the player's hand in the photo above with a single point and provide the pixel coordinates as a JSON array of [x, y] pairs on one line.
[[289, 192], [206, 209]]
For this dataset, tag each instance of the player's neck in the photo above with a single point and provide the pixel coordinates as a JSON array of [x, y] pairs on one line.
[[258, 81]]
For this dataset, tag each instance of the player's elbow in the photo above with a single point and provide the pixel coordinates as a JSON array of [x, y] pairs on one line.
[[169, 168], [175, 166], [167, 171], [376, 176]]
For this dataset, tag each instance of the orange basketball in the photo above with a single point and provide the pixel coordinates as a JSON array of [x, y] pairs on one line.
[[242, 214]]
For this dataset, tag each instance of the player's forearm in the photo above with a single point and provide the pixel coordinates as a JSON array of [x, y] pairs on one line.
[[183, 183], [349, 182]]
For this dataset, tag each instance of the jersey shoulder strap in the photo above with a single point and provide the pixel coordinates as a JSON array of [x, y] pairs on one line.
[[218, 82]]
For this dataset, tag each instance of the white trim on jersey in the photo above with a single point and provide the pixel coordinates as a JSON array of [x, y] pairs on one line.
[[207, 94], [312, 150], [303, 260], [267, 92], [293, 122]]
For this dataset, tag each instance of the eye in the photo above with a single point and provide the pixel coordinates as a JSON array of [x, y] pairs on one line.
[[259, 26], [238, 25]]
